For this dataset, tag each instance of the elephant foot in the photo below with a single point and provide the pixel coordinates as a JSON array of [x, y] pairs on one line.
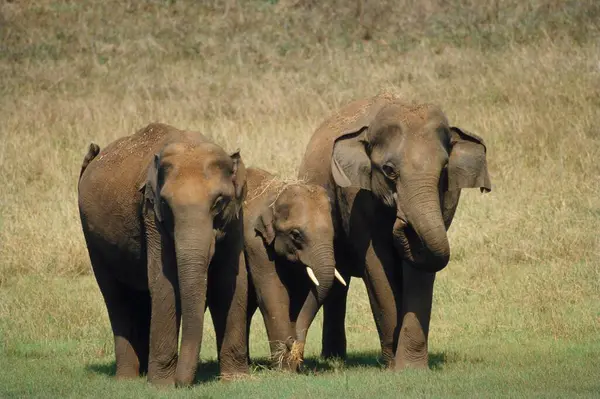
[[333, 352], [387, 359], [412, 349], [126, 376], [231, 369], [127, 372], [161, 373], [418, 362], [165, 382]]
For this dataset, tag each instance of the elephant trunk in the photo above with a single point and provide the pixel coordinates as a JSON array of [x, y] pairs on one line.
[[322, 262], [419, 231], [194, 248]]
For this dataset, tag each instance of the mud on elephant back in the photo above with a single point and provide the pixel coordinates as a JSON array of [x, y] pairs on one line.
[[395, 170], [161, 215]]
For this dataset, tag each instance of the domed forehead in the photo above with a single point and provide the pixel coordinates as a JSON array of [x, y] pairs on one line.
[[207, 157], [408, 117], [305, 198]]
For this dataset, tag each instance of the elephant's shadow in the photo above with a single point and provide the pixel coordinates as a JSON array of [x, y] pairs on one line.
[[316, 365], [209, 370]]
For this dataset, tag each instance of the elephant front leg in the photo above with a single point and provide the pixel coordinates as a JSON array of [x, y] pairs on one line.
[[166, 312], [164, 333], [228, 304], [417, 287], [334, 322], [380, 280], [274, 306]]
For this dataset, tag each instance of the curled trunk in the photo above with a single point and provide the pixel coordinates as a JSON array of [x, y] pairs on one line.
[[419, 231]]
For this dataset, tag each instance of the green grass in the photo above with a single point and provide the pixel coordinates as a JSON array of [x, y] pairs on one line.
[[70, 356], [516, 312], [74, 358], [546, 369]]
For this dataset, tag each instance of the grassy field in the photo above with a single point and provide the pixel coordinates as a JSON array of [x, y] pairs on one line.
[[517, 311]]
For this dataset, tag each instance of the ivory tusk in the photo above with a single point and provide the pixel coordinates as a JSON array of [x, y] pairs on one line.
[[339, 277], [312, 276]]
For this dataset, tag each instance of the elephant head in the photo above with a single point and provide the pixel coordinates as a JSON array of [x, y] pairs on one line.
[[298, 227], [412, 160], [195, 191]]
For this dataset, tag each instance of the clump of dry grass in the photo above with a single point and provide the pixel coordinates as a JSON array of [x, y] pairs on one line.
[[276, 186], [288, 357]]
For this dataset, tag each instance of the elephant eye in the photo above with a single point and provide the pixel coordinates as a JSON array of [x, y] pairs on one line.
[[388, 171], [296, 235]]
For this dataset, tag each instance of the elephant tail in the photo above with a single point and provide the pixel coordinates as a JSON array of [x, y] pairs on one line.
[[93, 151]]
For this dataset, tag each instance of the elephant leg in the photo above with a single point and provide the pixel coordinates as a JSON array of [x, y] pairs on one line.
[[416, 313], [228, 304], [252, 306], [334, 319], [380, 279], [165, 309], [274, 304], [164, 331], [142, 328], [122, 312]]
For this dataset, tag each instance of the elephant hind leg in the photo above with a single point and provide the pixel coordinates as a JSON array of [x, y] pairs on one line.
[[142, 311], [228, 304], [123, 313]]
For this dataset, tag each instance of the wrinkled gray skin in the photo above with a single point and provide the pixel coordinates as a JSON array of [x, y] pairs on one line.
[[396, 171], [287, 229], [160, 212]]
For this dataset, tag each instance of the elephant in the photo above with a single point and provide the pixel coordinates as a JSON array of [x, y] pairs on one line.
[[288, 247], [395, 171], [161, 213]]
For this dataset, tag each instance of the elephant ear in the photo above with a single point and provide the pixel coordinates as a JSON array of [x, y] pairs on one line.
[[150, 187], [239, 175], [239, 180], [264, 226], [350, 163], [467, 166]]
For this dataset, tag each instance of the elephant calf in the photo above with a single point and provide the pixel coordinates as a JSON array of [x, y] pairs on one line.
[[288, 241], [157, 208]]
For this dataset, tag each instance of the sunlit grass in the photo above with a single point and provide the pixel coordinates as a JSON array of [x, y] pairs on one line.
[[517, 311]]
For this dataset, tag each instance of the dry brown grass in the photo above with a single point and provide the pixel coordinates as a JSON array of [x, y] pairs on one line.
[[525, 258]]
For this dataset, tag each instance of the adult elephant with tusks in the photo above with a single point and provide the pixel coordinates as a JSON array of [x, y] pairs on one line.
[[161, 216], [395, 171]]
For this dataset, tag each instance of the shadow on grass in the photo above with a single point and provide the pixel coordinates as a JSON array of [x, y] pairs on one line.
[[368, 359], [209, 371]]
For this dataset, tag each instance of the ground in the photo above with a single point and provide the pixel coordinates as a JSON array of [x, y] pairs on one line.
[[517, 310]]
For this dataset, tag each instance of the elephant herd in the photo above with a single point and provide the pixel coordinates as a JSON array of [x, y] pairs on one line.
[[174, 224]]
